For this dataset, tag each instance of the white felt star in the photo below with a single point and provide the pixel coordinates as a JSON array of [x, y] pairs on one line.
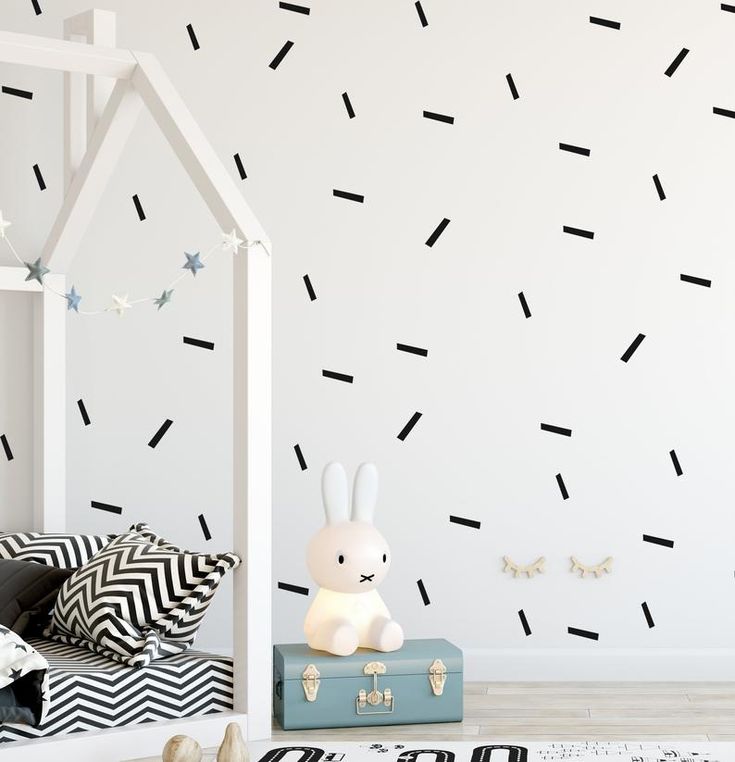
[[230, 242], [3, 224], [120, 304]]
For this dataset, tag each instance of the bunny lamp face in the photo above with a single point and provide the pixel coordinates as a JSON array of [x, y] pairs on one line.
[[349, 557]]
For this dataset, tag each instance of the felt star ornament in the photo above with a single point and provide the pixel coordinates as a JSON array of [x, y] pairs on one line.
[[230, 242], [120, 304], [73, 299], [193, 263], [36, 270], [3, 225], [164, 298]]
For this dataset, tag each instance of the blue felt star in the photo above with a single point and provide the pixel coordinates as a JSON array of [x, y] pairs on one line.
[[193, 263], [73, 299], [164, 298], [36, 271]]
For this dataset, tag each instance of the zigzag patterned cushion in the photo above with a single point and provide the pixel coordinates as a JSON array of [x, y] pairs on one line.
[[136, 601], [64, 551], [155, 539]]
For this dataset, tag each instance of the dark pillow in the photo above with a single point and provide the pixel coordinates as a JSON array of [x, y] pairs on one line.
[[27, 592]]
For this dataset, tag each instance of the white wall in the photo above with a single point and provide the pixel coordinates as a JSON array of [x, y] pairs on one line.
[[491, 376]]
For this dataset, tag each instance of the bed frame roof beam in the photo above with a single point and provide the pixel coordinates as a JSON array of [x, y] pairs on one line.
[[46, 53]]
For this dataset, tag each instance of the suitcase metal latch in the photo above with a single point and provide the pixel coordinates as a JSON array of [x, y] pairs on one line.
[[311, 682], [437, 676], [375, 697]]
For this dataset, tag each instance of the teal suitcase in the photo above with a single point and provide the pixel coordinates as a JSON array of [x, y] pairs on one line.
[[420, 683]]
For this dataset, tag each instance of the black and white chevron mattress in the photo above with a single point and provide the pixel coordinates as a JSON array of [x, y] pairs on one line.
[[91, 692]]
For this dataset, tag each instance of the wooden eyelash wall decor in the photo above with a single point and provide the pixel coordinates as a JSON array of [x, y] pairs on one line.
[[597, 569], [517, 570]]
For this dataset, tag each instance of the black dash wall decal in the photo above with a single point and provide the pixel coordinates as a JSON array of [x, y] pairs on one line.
[[512, 86], [300, 456], [192, 36], [6, 447], [422, 590], [349, 196], [583, 633], [440, 228], [406, 430], [696, 281], [632, 348], [293, 588], [27, 94], [165, 426], [36, 7], [338, 376], [39, 177], [83, 412], [715, 110], [524, 622], [556, 430], [574, 149], [348, 105], [658, 541], [138, 207], [524, 305], [659, 188], [578, 231], [412, 350], [309, 288], [295, 8], [198, 343], [674, 65], [675, 461], [464, 522], [422, 15], [438, 117], [726, 7], [647, 614], [280, 55], [562, 487], [240, 168], [605, 22], [205, 529], [106, 507]]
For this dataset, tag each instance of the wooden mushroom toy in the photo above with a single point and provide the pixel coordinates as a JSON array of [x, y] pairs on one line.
[[182, 749], [233, 747]]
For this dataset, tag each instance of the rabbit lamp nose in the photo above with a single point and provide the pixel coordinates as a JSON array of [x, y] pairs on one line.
[[349, 558]]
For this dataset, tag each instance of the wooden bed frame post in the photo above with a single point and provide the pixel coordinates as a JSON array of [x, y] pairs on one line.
[[85, 97], [252, 488], [49, 406]]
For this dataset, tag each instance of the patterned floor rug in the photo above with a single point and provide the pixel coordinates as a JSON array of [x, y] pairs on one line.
[[415, 751]]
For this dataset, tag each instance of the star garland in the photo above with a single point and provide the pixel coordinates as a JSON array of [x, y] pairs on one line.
[[121, 304]]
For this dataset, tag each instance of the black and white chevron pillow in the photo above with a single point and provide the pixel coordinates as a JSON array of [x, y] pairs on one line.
[[65, 551], [136, 601]]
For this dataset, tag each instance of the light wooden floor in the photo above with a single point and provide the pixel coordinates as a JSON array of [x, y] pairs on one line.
[[569, 711]]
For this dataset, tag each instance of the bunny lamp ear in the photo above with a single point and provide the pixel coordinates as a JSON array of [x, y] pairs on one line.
[[334, 493], [365, 493]]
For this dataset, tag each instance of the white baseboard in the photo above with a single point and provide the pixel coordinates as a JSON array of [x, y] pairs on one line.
[[630, 664]]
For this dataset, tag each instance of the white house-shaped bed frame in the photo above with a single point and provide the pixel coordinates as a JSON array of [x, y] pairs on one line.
[[104, 91]]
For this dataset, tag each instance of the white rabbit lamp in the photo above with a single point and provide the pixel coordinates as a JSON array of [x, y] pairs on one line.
[[349, 558]]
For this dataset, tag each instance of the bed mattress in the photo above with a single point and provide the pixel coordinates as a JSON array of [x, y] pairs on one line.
[[91, 692]]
